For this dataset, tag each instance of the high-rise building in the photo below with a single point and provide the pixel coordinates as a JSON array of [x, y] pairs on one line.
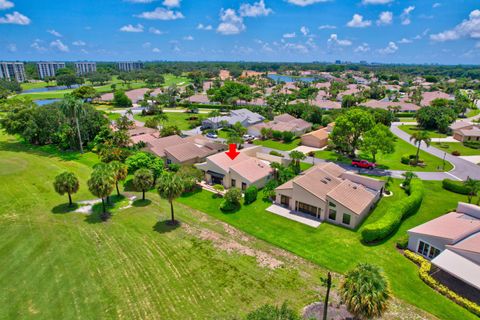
[[82, 68], [12, 71], [48, 69], [128, 66]]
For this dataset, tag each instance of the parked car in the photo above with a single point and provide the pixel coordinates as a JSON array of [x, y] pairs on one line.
[[248, 137], [359, 163], [212, 135]]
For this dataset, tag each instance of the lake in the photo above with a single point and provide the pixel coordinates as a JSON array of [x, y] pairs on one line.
[[45, 102], [50, 88], [284, 78]]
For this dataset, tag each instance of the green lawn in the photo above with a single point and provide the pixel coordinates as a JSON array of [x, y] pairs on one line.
[[410, 129], [171, 79], [36, 85], [449, 147], [407, 120], [473, 112], [65, 265], [279, 145], [340, 249], [392, 161], [179, 119]]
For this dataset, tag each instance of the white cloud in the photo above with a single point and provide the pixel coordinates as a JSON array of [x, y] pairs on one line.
[[404, 41], [79, 43], [389, 49], [304, 30], [436, 5], [405, 16], [201, 26], [296, 47], [376, 1], [58, 44], [146, 45], [364, 47], [156, 50], [5, 4], [161, 14], [55, 33], [385, 18], [254, 10], [15, 18], [358, 22], [12, 47], [155, 31], [37, 45], [333, 40], [231, 23], [132, 28], [327, 26], [84, 51], [188, 38], [469, 28], [171, 3], [304, 3], [289, 35]]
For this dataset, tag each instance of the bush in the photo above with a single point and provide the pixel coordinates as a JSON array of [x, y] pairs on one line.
[[151, 123], [472, 144], [231, 200], [455, 186], [402, 242], [277, 135], [455, 153], [405, 159], [394, 216], [226, 206], [250, 194], [287, 136], [424, 273], [276, 153]]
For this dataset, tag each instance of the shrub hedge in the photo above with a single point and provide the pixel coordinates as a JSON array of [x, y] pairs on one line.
[[424, 273], [454, 186], [250, 194], [394, 216], [402, 242]]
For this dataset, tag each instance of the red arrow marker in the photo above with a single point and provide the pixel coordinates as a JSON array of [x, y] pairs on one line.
[[232, 153]]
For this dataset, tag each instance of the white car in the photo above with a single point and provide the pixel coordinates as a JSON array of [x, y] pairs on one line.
[[248, 137], [212, 135]]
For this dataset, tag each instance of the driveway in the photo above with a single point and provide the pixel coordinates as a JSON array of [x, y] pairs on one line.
[[462, 168]]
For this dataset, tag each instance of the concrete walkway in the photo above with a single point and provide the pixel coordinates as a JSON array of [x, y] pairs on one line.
[[295, 216]]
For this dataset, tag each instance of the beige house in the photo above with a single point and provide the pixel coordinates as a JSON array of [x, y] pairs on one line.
[[465, 131], [243, 171], [330, 193], [317, 138], [283, 122]]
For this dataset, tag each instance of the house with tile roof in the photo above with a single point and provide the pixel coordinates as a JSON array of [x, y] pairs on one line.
[[244, 116], [327, 192], [317, 138], [243, 171], [465, 131], [452, 243], [282, 123]]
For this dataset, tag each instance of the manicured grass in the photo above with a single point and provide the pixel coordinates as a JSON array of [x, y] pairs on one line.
[[392, 161], [171, 79], [58, 264], [113, 115], [410, 129], [36, 85], [449, 147], [340, 249], [473, 112], [179, 119], [279, 145], [407, 120]]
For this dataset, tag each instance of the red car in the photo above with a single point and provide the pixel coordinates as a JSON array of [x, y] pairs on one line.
[[363, 164]]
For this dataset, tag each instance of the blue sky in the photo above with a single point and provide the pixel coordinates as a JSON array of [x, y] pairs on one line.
[[393, 31]]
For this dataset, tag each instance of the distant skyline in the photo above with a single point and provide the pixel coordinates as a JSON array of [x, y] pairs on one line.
[[385, 31]]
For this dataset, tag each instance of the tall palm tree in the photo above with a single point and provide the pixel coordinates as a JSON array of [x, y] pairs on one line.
[[66, 182], [327, 282], [170, 187], [143, 180], [473, 186], [296, 157], [73, 108], [365, 291], [120, 172], [419, 137], [101, 185]]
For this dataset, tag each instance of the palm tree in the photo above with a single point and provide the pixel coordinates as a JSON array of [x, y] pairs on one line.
[[365, 291], [120, 172], [66, 182], [275, 166], [72, 108], [143, 180], [170, 187], [419, 137], [296, 157], [101, 185], [327, 282], [472, 186]]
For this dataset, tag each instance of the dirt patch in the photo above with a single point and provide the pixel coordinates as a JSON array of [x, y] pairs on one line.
[[229, 245], [335, 311]]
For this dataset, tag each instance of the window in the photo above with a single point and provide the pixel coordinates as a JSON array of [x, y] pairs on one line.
[[306, 208], [234, 183], [331, 204], [346, 219], [332, 214], [244, 186], [284, 200], [427, 250]]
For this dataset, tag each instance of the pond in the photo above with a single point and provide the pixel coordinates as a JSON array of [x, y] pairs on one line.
[[45, 102], [284, 78], [54, 88]]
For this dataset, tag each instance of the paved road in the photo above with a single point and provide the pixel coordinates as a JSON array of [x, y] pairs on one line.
[[462, 168]]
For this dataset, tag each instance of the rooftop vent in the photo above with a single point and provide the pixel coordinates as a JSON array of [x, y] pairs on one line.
[[324, 181]]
